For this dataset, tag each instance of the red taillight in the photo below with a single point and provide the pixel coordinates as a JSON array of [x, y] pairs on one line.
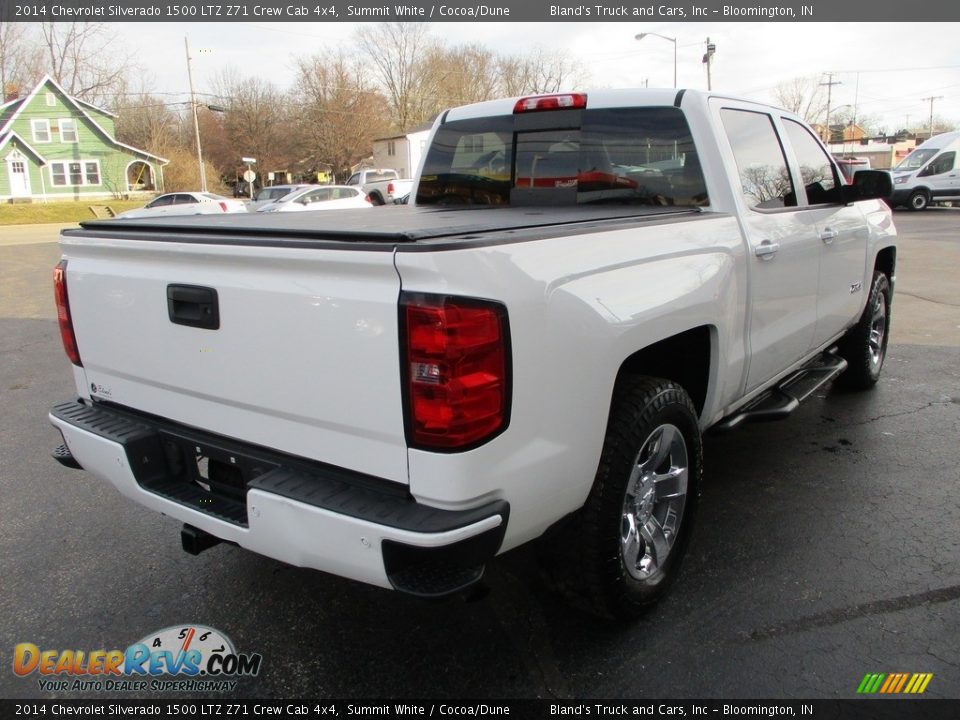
[[390, 188], [564, 101], [455, 370], [223, 206], [63, 313]]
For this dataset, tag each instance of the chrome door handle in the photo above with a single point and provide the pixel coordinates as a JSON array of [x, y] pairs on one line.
[[766, 249], [828, 235]]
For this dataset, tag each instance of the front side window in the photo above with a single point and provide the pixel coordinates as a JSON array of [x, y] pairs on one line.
[[764, 180], [916, 159], [161, 201], [68, 130], [816, 171], [41, 130], [317, 196], [626, 156]]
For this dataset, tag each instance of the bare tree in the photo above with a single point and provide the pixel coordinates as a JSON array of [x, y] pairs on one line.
[[457, 76], [804, 96], [394, 52], [85, 59], [146, 121], [20, 58], [340, 112], [541, 71], [256, 120]]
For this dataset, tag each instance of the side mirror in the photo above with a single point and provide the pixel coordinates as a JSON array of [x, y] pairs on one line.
[[868, 185]]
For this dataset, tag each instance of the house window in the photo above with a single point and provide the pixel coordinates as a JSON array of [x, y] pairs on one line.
[[75, 174], [68, 130], [41, 130], [51, 100], [391, 148]]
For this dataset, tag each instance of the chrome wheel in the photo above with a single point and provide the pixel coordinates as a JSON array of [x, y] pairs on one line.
[[878, 331], [654, 502]]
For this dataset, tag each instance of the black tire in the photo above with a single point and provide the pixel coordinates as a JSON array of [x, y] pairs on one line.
[[918, 200], [864, 346], [621, 567], [375, 199]]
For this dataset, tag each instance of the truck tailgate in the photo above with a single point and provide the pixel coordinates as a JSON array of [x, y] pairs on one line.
[[304, 358]]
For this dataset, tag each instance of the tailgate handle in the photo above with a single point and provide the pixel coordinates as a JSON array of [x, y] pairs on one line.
[[193, 306]]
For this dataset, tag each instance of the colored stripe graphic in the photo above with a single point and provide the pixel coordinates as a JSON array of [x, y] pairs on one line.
[[894, 683], [903, 681]]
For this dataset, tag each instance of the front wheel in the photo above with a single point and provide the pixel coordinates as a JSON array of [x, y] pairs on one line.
[[864, 346], [918, 200], [633, 530]]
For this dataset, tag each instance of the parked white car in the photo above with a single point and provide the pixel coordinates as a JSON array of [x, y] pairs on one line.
[[323, 197], [186, 203], [267, 195]]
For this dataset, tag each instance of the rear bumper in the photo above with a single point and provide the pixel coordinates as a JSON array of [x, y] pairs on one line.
[[305, 514]]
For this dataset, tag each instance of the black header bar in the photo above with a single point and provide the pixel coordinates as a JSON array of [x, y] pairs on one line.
[[659, 11]]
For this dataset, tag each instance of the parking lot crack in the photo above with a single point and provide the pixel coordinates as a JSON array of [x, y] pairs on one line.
[[934, 403], [855, 612], [927, 299]]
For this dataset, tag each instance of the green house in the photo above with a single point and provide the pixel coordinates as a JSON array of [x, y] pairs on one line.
[[56, 147]]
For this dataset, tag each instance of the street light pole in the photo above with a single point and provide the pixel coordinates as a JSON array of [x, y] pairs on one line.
[[641, 36], [196, 122]]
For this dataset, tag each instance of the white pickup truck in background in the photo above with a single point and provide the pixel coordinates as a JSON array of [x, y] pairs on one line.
[[382, 186], [581, 286]]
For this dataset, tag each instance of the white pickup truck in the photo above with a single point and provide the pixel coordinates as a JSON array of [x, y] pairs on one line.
[[581, 286], [383, 187]]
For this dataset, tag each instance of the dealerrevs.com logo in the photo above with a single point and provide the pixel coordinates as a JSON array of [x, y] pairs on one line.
[[182, 658]]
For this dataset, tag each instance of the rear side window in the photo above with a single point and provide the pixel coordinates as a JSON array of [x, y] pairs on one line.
[[379, 176], [942, 164], [816, 171], [761, 165], [631, 156]]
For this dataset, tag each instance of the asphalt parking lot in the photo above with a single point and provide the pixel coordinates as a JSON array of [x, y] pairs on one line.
[[828, 546]]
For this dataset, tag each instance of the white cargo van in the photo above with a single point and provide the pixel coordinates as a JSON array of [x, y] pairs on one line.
[[929, 173]]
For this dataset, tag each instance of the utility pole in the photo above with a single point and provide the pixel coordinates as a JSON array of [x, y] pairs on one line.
[[830, 83], [708, 60], [196, 122], [931, 99]]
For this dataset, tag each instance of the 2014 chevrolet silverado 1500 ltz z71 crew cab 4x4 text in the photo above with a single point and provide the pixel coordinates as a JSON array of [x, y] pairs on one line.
[[581, 285]]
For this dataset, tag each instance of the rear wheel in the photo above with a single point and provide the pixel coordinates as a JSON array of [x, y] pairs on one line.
[[864, 346], [632, 533]]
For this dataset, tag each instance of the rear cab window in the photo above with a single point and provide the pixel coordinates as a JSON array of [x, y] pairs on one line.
[[629, 156]]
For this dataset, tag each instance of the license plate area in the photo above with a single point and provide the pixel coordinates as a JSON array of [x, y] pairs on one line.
[[209, 477]]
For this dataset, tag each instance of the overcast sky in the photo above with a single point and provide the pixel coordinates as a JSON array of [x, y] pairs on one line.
[[885, 69]]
